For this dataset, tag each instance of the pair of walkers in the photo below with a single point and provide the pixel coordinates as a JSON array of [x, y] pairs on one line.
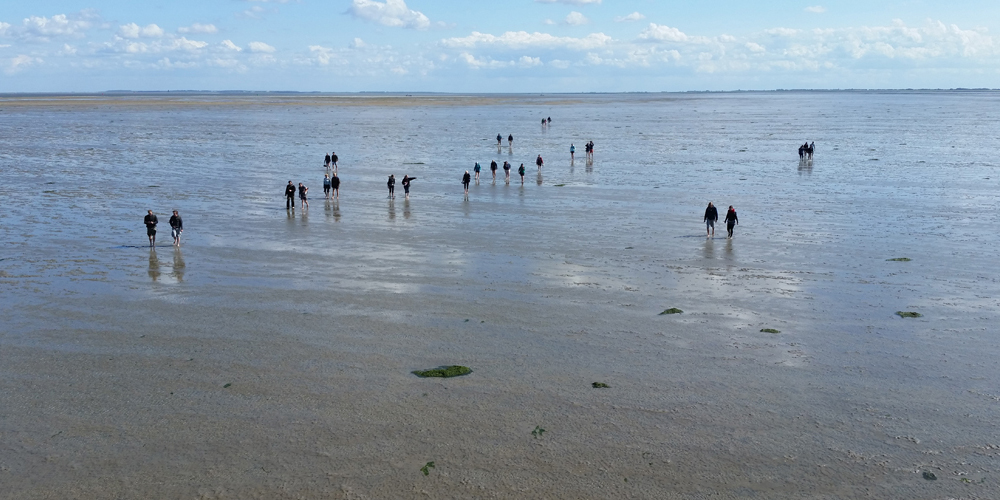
[[712, 215], [331, 186], [330, 161], [391, 184], [176, 227], [290, 196]]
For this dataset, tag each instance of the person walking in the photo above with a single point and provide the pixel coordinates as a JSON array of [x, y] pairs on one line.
[[466, 179], [335, 187], [499, 141], [506, 172], [711, 215], [326, 161], [176, 228], [731, 220], [476, 169], [303, 190], [406, 186], [290, 196], [326, 186], [520, 171], [539, 162], [493, 169], [150, 221], [572, 152], [391, 183], [333, 161], [510, 141]]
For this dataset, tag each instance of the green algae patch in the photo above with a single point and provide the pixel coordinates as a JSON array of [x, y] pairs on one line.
[[908, 314], [899, 259], [538, 431], [600, 385], [672, 310], [444, 371], [769, 330], [426, 469], [558, 185], [929, 476]]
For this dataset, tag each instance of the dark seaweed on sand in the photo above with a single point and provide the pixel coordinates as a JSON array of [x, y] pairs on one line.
[[444, 371], [769, 330], [672, 310], [900, 259], [908, 314], [600, 385], [426, 468]]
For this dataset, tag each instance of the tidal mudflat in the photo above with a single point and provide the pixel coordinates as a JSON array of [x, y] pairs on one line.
[[272, 355]]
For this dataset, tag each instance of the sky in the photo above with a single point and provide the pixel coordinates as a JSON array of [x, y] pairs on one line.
[[512, 46]]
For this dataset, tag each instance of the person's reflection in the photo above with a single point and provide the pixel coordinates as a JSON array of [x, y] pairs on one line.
[[154, 265], [336, 211], [392, 210], [466, 207], [539, 179], [178, 270], [406, 209], [729, 250], [708, 249]]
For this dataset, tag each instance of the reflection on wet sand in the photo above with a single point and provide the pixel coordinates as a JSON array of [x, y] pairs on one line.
[[177, 271], [406, 209], [154, 265], [539, 179], [392, 209]]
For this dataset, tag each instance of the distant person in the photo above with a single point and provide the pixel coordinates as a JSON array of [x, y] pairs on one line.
[[466, 179], [802, 152], [476, 169], [812, 147], [572, 152], [711, 215], [549, 120], [290, 196], [591, 149], [493, 169], [335, 186], [391, 183], [510, 140], [326, 186], [506, 172], [539, 161], [406, 186], [731, 220], [303, 190], [333, 161], [326, 161], [150, 221], [176, 228], [543, 122], [520, 171], [499, 141]]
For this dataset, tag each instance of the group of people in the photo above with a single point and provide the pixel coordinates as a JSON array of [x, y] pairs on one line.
[[330, 162], [391, 183], [712, 215], [176, 227], [588, 147], [510, 141], [806, 150]]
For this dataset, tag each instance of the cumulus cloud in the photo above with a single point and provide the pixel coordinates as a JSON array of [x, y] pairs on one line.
[[43, 29], [229, 45], [357, 43], [133, 30], [576, 19], [4, 28], [198, 28], [572, 2], [661, 33], [816, 9], [635, 16], [392, 13], [18, 63], [523, 39], [260, 47]]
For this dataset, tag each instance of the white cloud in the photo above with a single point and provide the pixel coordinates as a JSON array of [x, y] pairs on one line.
[[18, 63], [323, 54], [4, 28], [816, 9], [206, 29], [523, 39], [528, 62], [133, 30], [576, 19], [229, 45], [44, 28], [661, 33], [635, 16], [782, 31], [549, 22], [357, 43], [392, 13], [754, 47], [572, 2], [260, 47], [255, 12]]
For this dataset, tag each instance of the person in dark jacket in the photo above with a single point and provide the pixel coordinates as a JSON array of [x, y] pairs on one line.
[[150, 221], [290, 196], [731, 220], [391, 184], [335, 187], [711, 215], [406, 186], [176, 228], [466, 179]]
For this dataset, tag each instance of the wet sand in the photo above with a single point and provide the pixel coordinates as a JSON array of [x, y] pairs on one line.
[[270, 356]]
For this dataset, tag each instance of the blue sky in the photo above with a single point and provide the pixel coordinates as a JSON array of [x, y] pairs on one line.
[[512, 46]]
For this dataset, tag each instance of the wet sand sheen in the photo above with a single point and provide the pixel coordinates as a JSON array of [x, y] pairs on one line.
[[271, 357]]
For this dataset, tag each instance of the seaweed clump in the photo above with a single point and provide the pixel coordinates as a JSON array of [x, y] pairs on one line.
[[908, 314], [672, 310], [600, 385], [769, 330], [900, 259], [444, 371]]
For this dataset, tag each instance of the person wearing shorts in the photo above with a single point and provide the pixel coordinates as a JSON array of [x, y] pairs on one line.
[[176, 228], [335, 186], [303, 190], [150, 221], [476, 169], [406, 186], [493, 168], [711, 215], [326, 186], [506, 172]]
